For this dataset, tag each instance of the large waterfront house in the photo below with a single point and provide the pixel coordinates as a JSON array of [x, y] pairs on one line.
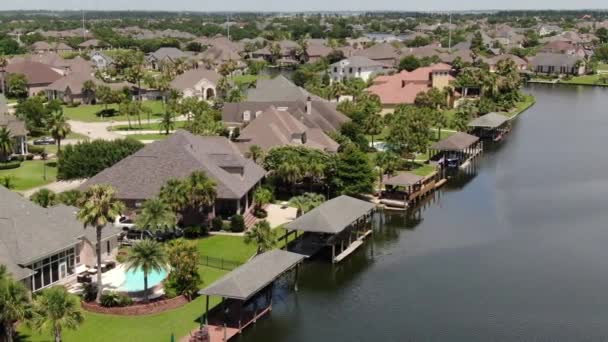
[[403, 87], [45, 246], [140, 177], [69, 88], [165, 55], [557, 64], [355, 67]]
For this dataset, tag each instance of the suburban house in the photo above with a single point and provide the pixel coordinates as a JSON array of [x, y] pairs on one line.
[[287, 48], [43, 47], [69, 88], [56, 62], [355, 67], [557, 64], [273, 128], [38, 76], [15, 126], [140, 176], [165, 55], [316, 50], [384, 53], [197, 82], [311, 110], [90, 44], [403, 87], [45, 246], [101, 60], [564, 47], [545, 30], [521, 63]]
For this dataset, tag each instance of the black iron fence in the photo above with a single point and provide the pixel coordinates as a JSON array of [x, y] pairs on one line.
[[219, 263]]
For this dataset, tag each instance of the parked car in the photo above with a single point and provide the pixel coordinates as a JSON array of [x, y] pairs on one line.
[[168, 234], [44, 141], [134, 234], [123, 222]]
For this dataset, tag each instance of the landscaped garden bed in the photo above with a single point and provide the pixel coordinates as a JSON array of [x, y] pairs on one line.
[[154, 307]]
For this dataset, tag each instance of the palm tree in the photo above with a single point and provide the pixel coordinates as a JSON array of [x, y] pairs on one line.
[[100, 207], [201, 189], [58, 127], [174, 193], [306, 202], [55, 309], [255, 153], [261, 197], [14, 305], [88, 90], [6, 143], [373, 125], [387, 163], [156, 214], [167, 123], [147, 256], [44, 198], [336, 89], [290, 171], [439, 120], [262, 236]]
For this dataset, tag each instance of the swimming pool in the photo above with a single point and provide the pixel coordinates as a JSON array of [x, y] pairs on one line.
[[134, 280]]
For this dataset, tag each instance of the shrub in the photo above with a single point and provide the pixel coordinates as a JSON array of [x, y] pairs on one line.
[[115, 299], [18, 158], [89, 292], [192, 232], [260, 213], [35, 149], [88, 158], [217, 224], [10, 165], [237, 224], [29, 157]]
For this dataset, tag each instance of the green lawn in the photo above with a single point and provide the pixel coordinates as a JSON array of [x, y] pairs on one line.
[[88, 113], [582, 80], [231, 248], [246, 79], [151, 136], [424, 170], [522, 106], [30, 174], [152, 328], [154, 126]]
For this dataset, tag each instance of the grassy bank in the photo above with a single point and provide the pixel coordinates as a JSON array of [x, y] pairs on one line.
[[31, 174]]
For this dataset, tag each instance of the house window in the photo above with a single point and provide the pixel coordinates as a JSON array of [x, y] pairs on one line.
[[108, 247], [48, 270], [350, 70], [336, 69]]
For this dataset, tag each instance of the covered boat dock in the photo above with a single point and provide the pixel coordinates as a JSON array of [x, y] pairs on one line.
[[456, 150], [406, 188], [246, 295], [491, 126], [340, 225]]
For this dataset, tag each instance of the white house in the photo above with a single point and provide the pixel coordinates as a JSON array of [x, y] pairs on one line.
[[355, 67]]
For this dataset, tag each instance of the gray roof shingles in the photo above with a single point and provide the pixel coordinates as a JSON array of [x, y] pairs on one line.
[[141, 175]]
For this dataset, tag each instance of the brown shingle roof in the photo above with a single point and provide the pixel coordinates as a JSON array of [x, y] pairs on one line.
[[191, 77], [455, 142], [141, 175], [35, 73]]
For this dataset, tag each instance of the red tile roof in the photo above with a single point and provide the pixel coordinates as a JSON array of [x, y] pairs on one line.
[[404, 86]]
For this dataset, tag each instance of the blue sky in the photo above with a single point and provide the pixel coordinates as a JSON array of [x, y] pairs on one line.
[[298, 5]]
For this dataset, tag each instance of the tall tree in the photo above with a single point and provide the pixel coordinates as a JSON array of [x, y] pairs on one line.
[[373, 125], [14, 304], [56, 310], [174, 193], [58, 127], [156, 214], [100, 208], [6, 143], [147, 256], [88, 90], [354, 174], [255, 152], [183, 258], [262, 236]]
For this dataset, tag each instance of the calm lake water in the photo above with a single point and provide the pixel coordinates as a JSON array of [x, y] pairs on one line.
[[517, 250]]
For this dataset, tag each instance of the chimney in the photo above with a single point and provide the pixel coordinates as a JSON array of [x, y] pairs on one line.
[[308, 105]]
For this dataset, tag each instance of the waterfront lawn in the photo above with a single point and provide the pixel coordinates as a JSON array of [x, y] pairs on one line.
[[583, 80], [88, 113], [522, 106], [232, 248], [152, 328], [424, 170], [31, 174]]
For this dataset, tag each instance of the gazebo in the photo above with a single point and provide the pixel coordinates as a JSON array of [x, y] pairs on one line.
[[340, 224], [405, 188], [492, 126], [456, 149], [246, 294]]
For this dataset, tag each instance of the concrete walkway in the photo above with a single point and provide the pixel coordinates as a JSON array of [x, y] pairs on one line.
[[279, 215], [94, 130], [57, 187]]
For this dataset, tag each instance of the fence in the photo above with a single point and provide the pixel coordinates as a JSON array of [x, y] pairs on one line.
[[219, 263]]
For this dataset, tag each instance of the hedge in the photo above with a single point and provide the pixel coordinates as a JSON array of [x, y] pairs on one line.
[[10, 165], [88, 158]]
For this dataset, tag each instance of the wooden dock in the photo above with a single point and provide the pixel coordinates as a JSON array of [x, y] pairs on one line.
[[353, 247]]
